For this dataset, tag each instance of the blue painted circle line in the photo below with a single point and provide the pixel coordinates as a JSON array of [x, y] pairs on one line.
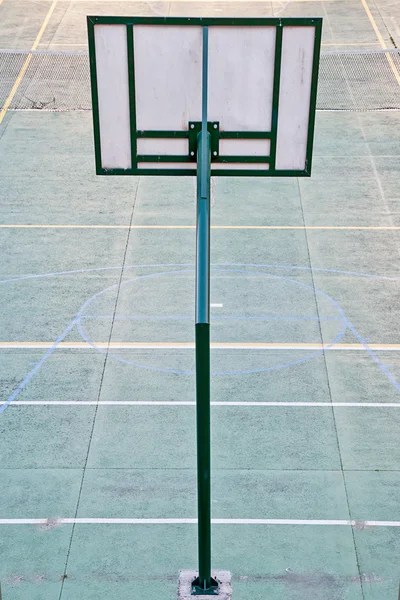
[[83, 315], [293, 268], [214, 265]]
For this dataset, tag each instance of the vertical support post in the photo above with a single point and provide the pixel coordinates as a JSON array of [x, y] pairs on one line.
[[204, 583]]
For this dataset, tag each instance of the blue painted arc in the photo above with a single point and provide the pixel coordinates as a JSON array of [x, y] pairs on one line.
[[76, 320], [341, 318]]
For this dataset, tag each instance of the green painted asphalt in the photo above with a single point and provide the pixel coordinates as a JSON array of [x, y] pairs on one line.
[[116, 561], [272, 463], [138, 461], [343, 24]]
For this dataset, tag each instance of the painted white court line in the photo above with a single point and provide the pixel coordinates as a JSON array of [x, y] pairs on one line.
[[261, 227], [54, 522], [216, 305], [191, 403], [190, 346]]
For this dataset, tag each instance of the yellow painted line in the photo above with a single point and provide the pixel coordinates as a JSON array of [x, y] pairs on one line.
[[323, 227], [190, 346], [17, 226], [166, 2], [381, 40], [62, 44], [44, 25], [26, 63], [278, 227], [15, 87]]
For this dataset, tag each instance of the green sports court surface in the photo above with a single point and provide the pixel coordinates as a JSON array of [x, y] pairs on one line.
[[97, 446]]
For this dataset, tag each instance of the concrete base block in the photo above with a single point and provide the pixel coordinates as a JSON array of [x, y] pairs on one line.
[[185, 585]]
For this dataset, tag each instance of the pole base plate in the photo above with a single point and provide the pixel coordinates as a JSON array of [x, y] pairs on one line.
[[187, 581], [211, 590]]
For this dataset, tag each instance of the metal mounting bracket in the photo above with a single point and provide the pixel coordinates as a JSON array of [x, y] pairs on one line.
[[194, 130]]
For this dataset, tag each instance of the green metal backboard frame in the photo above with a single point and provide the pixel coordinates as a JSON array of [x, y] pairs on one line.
[[213, 127]]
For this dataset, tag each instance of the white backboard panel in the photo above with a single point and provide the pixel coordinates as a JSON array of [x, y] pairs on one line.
[[147, 94], [167, 76], [294, 97], [246, 147], [162, 146], [241, 77], [113, 93], [244, 166], [156, 165]]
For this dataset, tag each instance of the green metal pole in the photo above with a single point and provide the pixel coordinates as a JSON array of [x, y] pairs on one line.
[[204, 583]]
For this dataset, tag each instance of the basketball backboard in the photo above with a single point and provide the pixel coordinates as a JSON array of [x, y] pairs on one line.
[[147, 104]]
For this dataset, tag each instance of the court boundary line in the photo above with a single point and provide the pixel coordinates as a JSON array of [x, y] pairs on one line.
[[261, 227], [53, 523], [192, 403], [169, 2], [191, 346]]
